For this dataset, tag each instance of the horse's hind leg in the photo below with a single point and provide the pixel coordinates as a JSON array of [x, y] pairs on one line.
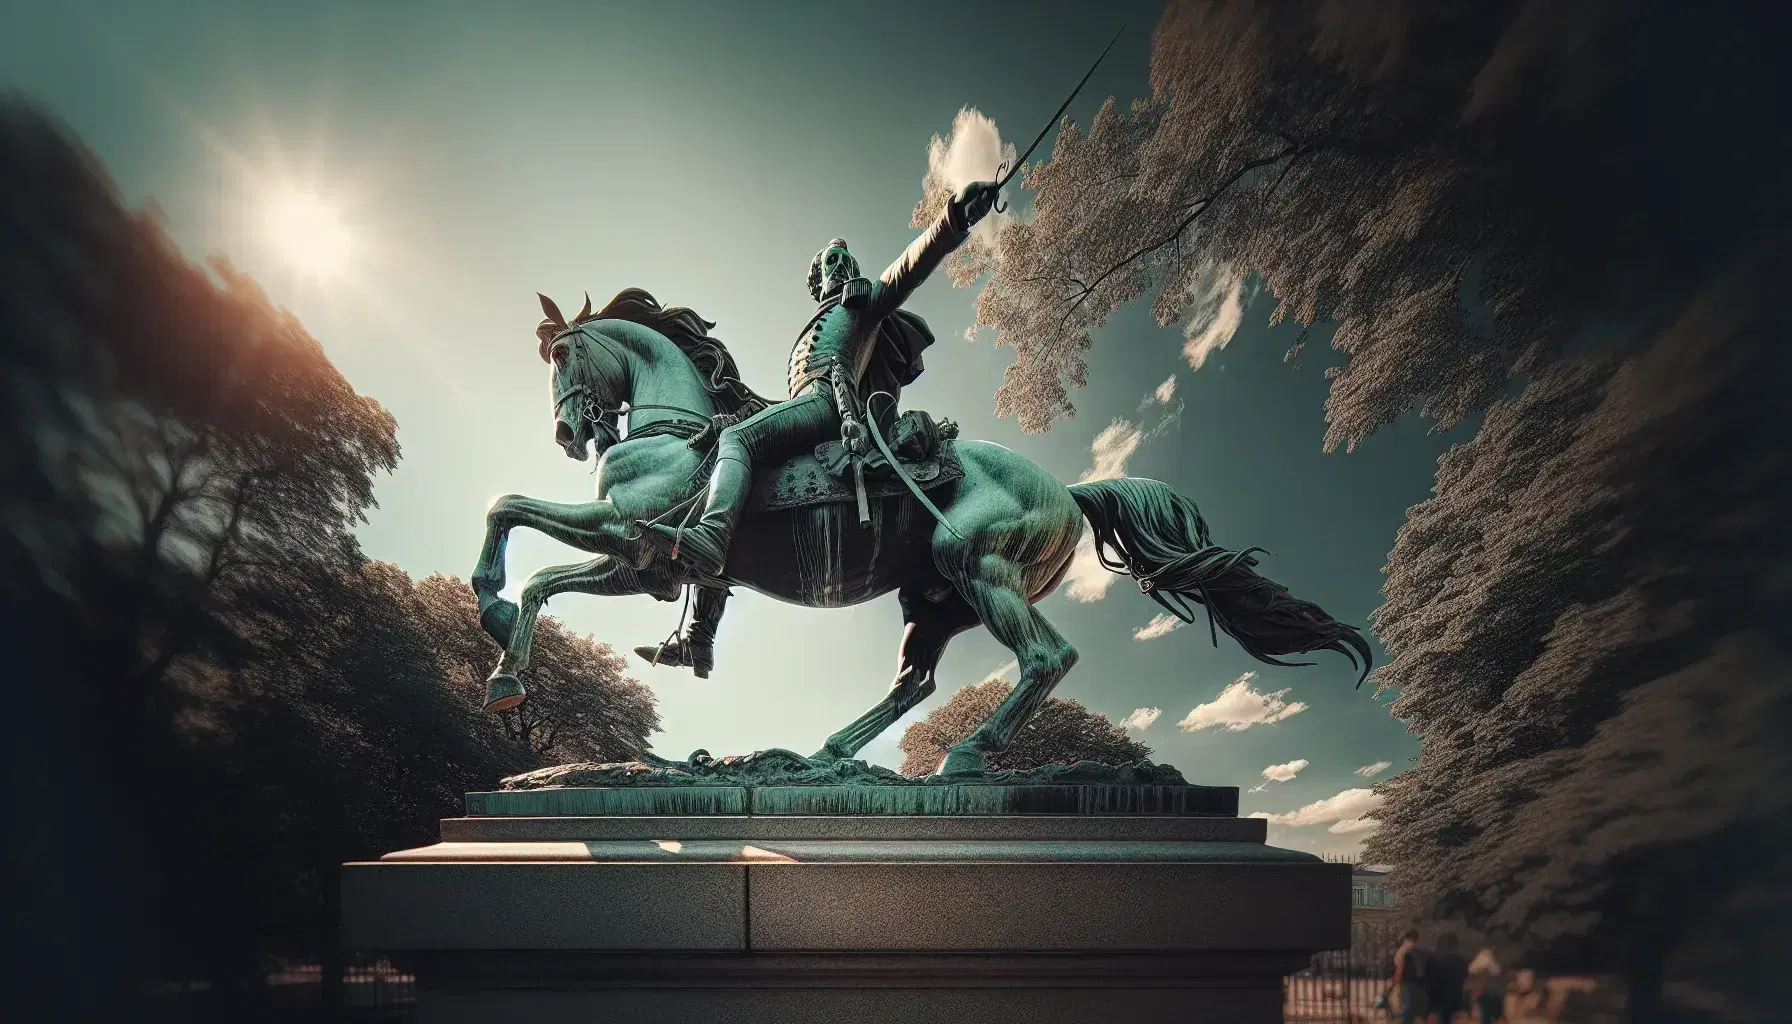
[[928, 625], [995, 588]]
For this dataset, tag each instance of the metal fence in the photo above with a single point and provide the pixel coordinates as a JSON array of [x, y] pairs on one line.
[[1341, 986]]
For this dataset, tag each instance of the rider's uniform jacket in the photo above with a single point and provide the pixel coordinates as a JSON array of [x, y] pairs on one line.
[[863, 326]]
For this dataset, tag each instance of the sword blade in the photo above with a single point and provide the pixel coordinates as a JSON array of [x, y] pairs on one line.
[[1047, 130]]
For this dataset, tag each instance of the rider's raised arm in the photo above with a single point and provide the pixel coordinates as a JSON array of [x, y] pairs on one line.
[[919, 260], [947, 232]]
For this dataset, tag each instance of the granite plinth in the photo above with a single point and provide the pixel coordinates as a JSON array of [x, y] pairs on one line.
[[903, 915]]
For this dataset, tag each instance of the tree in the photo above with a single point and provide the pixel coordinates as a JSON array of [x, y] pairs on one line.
[[1374, 165], [1063, 732], [581, 706], [176, 450], [1504, 210], [211, 673], [1594, 658]]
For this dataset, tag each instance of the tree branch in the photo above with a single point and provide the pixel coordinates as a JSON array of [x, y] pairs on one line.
[[1198, 207]]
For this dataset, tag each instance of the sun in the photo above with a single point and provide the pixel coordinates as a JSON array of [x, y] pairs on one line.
[[308, 232]]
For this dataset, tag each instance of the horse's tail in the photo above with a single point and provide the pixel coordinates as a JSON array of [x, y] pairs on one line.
[[1145, 529]]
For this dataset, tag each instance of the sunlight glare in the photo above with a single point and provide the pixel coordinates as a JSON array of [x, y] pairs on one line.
[[308, 232]]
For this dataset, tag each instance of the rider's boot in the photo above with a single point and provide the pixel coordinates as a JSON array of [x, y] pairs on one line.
[[696, 650], [684, 652], [703, 545]]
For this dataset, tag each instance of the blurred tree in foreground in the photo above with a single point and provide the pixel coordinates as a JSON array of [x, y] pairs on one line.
[[1063, 732], [216, 697], [1533, 214]]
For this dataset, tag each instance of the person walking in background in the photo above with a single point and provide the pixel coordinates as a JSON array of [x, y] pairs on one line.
[[1409, 979], [1446, 980], [1527, 1002], [1486, 986]]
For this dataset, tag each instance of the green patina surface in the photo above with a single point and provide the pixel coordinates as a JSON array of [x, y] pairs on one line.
[[858, 800], [575, 802], [1040, 799], [779, 782]]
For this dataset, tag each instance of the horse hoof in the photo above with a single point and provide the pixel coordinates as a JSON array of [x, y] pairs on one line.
[[503, 692], [962, 761]]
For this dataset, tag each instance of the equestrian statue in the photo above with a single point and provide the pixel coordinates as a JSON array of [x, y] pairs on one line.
[[830, 499]]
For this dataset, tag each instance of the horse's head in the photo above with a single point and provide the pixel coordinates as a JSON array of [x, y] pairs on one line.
[[590, 380]]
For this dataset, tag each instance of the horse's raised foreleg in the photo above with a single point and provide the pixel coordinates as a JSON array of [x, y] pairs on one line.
[[928, 626], [993, 587], [588, 526], [603, 576]]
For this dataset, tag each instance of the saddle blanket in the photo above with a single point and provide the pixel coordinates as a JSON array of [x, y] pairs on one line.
[[925, 450]]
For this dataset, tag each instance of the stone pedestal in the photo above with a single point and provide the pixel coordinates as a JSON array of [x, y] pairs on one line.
[[541, 907]]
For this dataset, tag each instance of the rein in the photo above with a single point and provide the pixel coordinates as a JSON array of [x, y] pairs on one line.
[[602, 418]]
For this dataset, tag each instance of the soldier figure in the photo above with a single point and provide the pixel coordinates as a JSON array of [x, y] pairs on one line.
[[859, 336]]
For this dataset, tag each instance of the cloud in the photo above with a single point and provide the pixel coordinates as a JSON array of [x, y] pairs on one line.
[[1218, 308], [1164, 391], [1141, 718], [1346, 811], [1369, 771], [1160, 625], [972, 153], [1240, 706], [1284, 772], [1112, 447], [1088, 580]]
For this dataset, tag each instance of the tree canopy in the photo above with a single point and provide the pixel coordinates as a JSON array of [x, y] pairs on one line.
[[1530, 219], [229, 697], [1062, 732]]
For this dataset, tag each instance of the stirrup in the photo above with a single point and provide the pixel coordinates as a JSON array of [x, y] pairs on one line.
[[680, 653]]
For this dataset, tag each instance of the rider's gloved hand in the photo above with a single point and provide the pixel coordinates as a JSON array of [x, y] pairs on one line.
[[973, 203]]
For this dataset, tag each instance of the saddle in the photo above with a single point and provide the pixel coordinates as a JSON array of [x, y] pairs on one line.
[[924, 447]]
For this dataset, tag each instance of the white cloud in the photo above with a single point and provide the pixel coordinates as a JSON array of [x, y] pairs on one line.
[[1087, 580], [1240, 706], [1141, 718], [1346, 810], [1113, 446], [973, 153], [1284, 772], [1369, 771], [1160, 625], [1165, 391], [1218, 301]]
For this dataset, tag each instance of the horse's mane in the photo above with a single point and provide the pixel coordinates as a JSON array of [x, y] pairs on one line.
[[690, 332]]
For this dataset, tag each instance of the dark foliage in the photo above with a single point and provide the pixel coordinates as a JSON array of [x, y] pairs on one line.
[[217, 698], [1541, 215]]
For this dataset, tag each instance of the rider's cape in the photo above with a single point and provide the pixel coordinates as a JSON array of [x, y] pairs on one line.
[[896, 356]]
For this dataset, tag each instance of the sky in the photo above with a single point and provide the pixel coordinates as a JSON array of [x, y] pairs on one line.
[[475, 154]]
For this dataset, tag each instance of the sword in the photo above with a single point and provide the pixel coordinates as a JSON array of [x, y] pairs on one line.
[[1004, 173]]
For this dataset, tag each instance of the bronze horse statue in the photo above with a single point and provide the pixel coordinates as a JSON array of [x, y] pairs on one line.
[[1004, 536]]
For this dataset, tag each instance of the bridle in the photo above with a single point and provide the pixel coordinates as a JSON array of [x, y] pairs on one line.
[[603, 418]]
